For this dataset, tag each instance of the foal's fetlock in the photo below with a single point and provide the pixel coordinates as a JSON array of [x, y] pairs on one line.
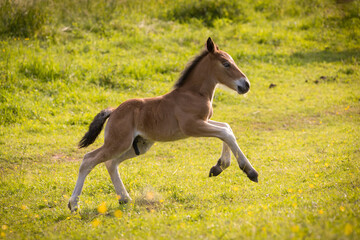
[[252, 175]]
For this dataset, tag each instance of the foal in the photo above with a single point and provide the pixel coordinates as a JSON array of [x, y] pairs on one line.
[[136, 124]]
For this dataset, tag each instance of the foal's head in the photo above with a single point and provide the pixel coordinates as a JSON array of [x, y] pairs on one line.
[[225, 71]]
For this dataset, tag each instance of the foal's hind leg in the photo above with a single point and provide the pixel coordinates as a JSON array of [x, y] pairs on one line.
[[92, 159], [112, 167], [225, 159]]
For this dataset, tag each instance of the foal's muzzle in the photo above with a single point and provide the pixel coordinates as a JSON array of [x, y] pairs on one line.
[[243, 85]]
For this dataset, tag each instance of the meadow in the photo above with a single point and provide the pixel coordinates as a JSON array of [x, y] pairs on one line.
[[61, 62]]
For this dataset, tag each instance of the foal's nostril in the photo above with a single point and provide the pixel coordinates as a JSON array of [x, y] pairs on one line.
[[247, 84]]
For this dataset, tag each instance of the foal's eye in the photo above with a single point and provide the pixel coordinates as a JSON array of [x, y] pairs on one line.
[[226, 64]]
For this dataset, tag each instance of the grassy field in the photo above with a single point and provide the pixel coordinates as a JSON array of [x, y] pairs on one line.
[[61, 62]]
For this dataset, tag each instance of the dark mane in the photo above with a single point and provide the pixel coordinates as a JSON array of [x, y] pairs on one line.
[[191, 65]]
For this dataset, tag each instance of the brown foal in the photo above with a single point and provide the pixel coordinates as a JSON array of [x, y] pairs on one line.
[[136, 124]]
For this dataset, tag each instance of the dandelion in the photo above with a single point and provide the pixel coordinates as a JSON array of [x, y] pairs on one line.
[[118, 213], [26, 39], [102, 208], [300, 191], [118, 197], [295, 228], [290, 190], [348, 229], [264, 207], [316, 175], [24, 207], [311, 185], [235, 188], [321, 212], [161, 200], [326, 164], [95, 222], [2, 234], [342, 208], [36, 216], [294, 205], [4, 227]]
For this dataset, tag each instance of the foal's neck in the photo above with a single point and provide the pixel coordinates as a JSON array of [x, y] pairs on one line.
[[201, 81]]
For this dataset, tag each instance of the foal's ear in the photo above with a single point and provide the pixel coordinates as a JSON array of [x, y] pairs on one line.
[[210, 45]]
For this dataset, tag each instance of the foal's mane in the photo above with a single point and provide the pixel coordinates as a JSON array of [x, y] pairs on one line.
[[190, 66]]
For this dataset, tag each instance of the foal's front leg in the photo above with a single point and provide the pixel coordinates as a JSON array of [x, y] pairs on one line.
[[225, 159], [200, 128]]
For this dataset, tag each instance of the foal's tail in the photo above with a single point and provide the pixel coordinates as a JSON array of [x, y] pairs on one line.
[[95, 127]]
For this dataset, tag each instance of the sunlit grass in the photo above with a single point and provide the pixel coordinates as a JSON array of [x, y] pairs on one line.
[[302, 135]]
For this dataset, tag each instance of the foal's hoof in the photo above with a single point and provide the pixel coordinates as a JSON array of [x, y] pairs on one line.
[[123, 201], [214, 171], [73, 208], [253, 175]]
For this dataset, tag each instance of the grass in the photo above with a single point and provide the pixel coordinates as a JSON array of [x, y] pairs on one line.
[[301, 135]]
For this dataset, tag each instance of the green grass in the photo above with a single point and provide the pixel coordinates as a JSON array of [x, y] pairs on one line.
[[61, 62]]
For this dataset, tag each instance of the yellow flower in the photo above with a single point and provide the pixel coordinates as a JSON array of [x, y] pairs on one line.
[[311, 185], [95, 222], [290, 190], [4, 227], [118, 213], [2, 234], [326, 164], [24, 207], [294, 205], [321, 211], [102, 208], [295, 228], [235, 188], [348, 229], [26, 39], [300, 191], [342, 208], [316, 175]]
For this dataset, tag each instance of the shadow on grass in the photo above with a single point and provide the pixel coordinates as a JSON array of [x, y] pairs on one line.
[[324, 56], [303, 58]]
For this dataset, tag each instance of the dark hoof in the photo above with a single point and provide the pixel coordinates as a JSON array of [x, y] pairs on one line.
[[253, 175], [72, 209], [214, 171], [123, 201]]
